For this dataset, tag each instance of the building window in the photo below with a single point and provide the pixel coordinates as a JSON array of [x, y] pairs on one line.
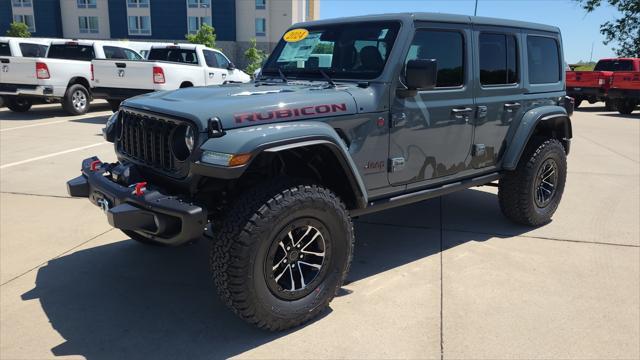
[[138, 3], [87, 4], [195, 22], [261, 4], [88, 24], [199, 3], [27, 19], [21, 3], [261, 27], [139, 25]]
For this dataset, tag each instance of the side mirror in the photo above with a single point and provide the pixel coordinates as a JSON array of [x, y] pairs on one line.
[[231, 66], [421, 74]]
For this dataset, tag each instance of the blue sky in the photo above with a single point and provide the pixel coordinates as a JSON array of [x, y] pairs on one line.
[[579, 30]]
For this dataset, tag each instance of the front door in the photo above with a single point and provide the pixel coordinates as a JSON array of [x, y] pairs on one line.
[[432, 131], [214, 75]]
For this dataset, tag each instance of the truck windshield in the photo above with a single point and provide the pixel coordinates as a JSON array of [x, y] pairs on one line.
[[343, 51], [614, 65], [186, 56], [71, 52]]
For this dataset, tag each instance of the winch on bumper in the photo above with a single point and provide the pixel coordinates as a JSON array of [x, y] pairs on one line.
[[134, 207]]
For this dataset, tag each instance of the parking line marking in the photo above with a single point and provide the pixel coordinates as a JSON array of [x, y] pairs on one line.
[[34, 125], [51, 155]]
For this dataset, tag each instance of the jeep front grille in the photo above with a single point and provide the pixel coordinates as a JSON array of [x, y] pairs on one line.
[[146, 139]]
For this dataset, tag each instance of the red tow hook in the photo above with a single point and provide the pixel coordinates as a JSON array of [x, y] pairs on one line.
[[95, 164], [139, 188]]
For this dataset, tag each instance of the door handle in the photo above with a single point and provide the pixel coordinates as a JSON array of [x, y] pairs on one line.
[[512, 106], [4, 61], [121, 65], [211, 75], [461, 111]]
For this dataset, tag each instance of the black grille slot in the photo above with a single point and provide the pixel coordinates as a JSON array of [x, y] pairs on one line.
[[147, 139]]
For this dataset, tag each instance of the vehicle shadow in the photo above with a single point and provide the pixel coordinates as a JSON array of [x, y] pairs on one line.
[[125, 300], [634, 115], [47, 111]]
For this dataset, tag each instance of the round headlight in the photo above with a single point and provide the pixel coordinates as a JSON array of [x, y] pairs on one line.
[[190, 138]]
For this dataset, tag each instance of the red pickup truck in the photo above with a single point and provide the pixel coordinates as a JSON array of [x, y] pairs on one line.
[[593, 86], [625, 91]]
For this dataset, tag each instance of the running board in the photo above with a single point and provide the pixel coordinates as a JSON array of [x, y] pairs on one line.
[[405, 199]]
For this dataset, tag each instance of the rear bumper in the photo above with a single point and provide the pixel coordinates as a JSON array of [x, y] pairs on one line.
[[117, 93], [26, 90], [586, 93], [152, 214], [624, 94]]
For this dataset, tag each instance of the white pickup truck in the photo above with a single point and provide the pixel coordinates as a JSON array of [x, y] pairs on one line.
[[168, 67], [18, 47], [63, 75]]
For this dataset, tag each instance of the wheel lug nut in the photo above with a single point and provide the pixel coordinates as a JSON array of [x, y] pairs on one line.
[[301, 256], [285, 260], [288, 248]]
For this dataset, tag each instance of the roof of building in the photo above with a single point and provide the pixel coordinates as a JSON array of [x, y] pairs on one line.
[[437, 17]]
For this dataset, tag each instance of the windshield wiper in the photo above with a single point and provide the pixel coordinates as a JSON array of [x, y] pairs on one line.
[[326, 77], [284, 78]]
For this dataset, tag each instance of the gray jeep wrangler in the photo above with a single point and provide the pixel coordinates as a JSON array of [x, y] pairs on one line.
[[348, 117]]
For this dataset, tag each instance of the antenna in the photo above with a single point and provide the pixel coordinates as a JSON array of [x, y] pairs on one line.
[[591, 56], [475, 11]]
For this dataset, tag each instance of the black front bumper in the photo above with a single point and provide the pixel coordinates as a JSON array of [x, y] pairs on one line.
[[156, 216], [116, 93]]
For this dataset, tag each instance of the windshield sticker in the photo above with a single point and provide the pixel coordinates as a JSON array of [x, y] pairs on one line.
[[295, 35], [299, 51]]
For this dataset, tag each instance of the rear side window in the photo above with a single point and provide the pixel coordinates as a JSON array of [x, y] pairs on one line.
[[447, 48], [4, 49], [114, 52], [544, 60], [614, 65], [33, 50], [498, 59], [71, 52], [178, 55]]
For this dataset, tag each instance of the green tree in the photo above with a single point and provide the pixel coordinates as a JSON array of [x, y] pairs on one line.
[[18, 29], [206, 35], [624, 31], [254, 57]]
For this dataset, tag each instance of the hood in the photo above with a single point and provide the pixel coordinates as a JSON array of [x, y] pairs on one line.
[[240, 105]]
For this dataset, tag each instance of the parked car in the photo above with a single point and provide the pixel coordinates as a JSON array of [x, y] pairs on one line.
[[592, 86], [63, 75], [625, 91], [411, 107], [167, 67], [11, 47]]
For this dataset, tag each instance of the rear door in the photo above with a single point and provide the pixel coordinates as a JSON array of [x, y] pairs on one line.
[[498, 90], [214, 74]]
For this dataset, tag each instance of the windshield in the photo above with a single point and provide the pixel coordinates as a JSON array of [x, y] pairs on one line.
[[351, 51], [614, 65]]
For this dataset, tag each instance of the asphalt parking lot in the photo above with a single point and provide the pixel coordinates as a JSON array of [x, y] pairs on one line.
[[445, 278]]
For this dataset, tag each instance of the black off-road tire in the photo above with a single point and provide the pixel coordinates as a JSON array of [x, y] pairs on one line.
[[76, 100], [141, 239], [625, 106], [517, 189], [114, 104], [17, 104], [240, 252]]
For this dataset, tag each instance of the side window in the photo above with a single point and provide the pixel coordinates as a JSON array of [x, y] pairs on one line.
[[498, 59], [223, 63], [131, 55], [33, 50], [210, 58], [544, 60], [447, 48], [113, 52], [4, 49]]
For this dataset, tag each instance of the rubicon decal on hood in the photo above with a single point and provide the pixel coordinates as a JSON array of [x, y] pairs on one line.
[[291, 114]]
